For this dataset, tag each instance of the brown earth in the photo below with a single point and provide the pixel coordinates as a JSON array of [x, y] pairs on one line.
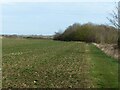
[[109, 49]]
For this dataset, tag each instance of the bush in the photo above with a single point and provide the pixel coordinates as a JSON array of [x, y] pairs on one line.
[[89, 32]]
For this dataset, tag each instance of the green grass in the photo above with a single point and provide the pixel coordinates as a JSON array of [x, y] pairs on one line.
[[104, 69], [31, 63]]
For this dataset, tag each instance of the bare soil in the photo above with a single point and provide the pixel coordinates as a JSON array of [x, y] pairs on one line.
[[109, 49]]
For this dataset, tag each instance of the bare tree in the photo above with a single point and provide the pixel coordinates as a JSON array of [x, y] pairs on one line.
[[115, 20], [115, 16]]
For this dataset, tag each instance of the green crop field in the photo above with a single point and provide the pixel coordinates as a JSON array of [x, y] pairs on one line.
[[29, 63]]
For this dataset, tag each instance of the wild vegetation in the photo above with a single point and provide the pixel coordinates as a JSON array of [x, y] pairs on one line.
[[28, 36], [33, 63], [89, 33]]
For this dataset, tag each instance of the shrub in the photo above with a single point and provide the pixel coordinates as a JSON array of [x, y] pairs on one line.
[[89, 32]]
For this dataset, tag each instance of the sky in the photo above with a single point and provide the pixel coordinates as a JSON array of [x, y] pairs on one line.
[[46, 18], [8, 1]]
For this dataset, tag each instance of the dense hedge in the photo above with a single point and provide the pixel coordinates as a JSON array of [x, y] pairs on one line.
[[89, 33]]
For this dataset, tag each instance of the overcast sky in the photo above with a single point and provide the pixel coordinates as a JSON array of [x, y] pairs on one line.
[[48, 17]]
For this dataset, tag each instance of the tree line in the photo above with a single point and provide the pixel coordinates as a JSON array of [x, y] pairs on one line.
[[88, 32]]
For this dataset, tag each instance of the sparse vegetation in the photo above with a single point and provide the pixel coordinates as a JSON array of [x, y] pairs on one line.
[[29, 63]]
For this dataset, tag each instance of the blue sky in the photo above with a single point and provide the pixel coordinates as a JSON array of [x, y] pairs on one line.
[[45, 18]]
